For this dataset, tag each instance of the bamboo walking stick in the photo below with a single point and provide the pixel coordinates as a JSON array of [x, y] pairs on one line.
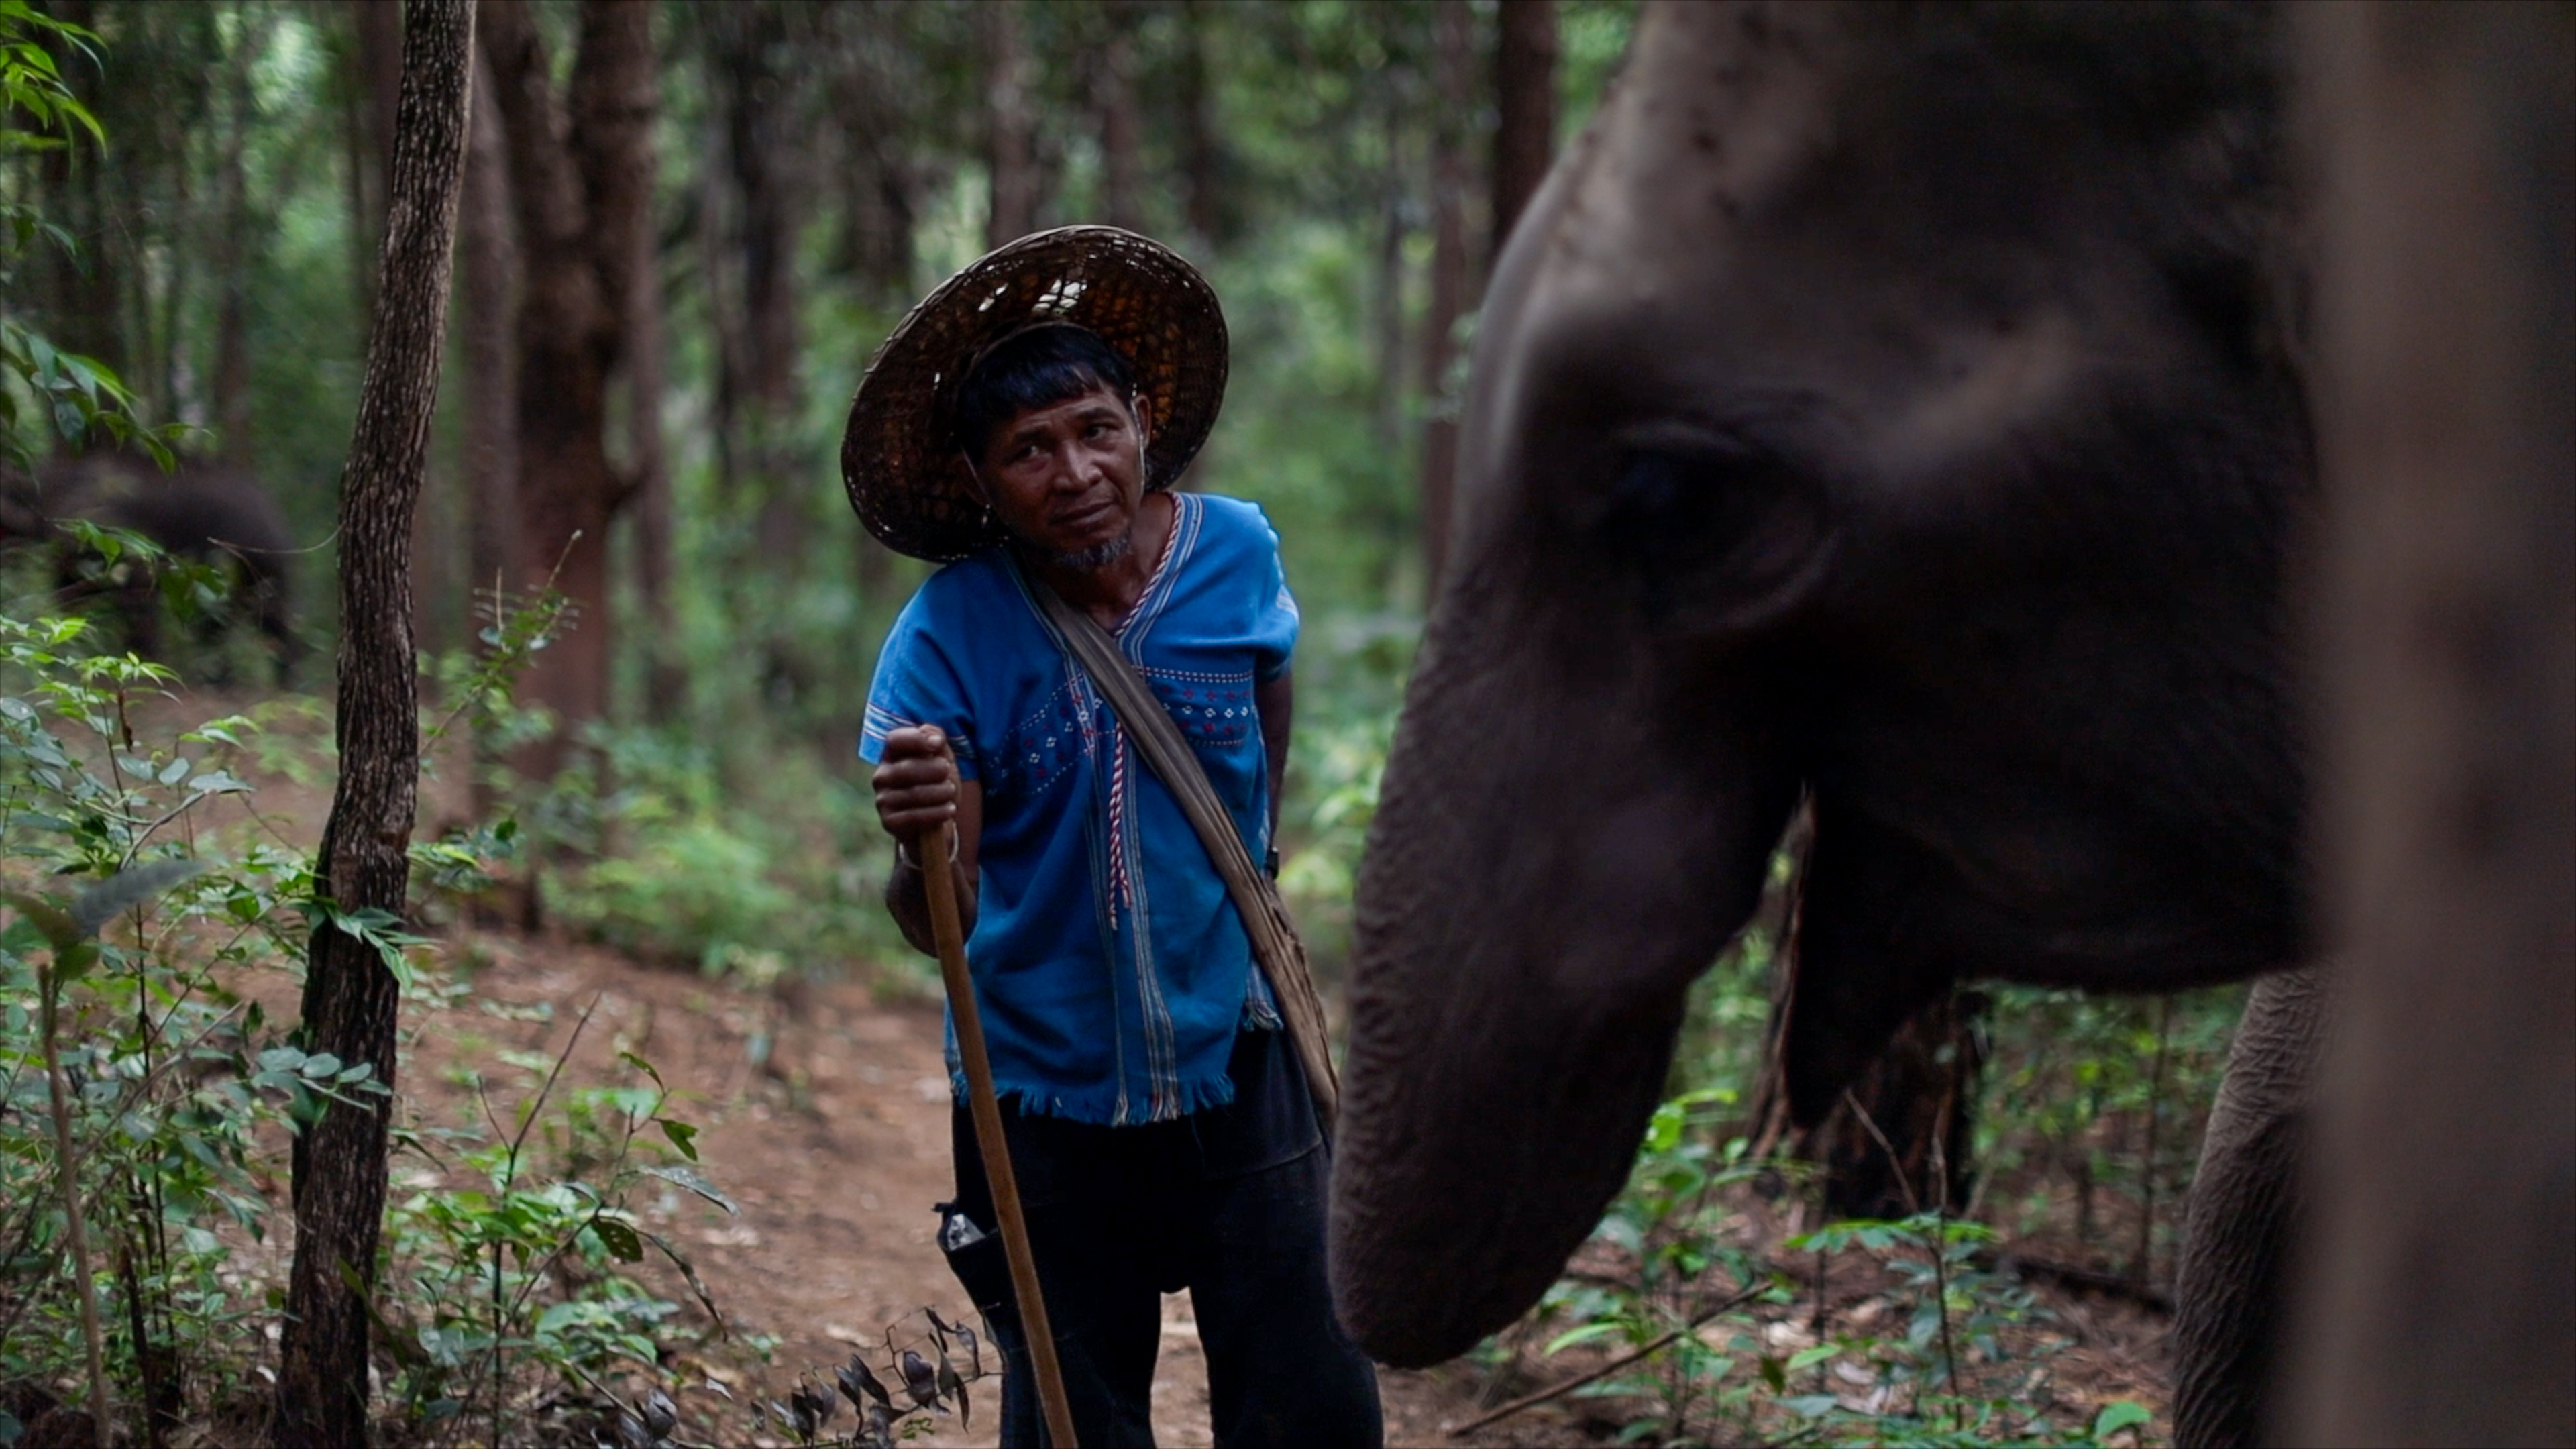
[[933, 849]]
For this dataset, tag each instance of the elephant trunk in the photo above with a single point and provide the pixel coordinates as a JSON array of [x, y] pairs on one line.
[[1551, 864]]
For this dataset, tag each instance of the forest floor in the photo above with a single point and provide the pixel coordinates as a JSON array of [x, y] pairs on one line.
[[823, 1113]]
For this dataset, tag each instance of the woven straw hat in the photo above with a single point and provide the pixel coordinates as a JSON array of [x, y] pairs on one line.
[[899, 458]]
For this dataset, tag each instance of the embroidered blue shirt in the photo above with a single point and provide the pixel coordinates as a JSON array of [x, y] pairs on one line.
[[1110, 967]]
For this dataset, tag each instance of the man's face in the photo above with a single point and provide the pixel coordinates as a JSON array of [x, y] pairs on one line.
[[1065, 479]]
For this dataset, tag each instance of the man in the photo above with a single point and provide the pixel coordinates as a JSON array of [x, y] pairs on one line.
[[1026, 422]]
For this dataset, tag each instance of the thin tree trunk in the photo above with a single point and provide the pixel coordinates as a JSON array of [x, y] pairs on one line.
[[1202, 157], [578, 197], [1524, 109], [489, 316], [1453, 60], [1011, 126], [232, 394], [1121, 170], [380, 74], [350, 997], [375, 85], [646, 366]]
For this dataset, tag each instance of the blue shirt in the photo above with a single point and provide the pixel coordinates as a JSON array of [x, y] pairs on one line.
[[1110, 967]]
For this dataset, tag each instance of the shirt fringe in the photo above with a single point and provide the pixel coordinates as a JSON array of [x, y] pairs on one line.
[[1100, 1106]]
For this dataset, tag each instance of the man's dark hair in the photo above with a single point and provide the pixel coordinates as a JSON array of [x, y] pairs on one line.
[[1033, 369]]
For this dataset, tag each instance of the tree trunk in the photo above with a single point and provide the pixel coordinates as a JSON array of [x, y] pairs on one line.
[[85, 294], [488, 315], [232, 394], [1453, 60], [350, 998], [1524, 109], [753, 304], [2444, 1308], [872, 101], [646, 368], [374, 82], [1909, 1123], [1011, 126], [1202, 158], [578, 195], [1121, 170]]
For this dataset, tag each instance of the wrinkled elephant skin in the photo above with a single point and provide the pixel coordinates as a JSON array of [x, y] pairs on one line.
[[1880, 402]]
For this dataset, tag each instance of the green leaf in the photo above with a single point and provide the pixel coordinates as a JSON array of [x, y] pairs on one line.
[[694, 1182], [1584, 1333], [620, 1240], [2120, 1414], [1807, 1358], [681, 1135]]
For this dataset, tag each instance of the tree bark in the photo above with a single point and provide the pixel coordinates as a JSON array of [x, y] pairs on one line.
[[1121, 169], [1902, 1141], [488, 316], [375, 86], [2443, 1308], [1453, 61], [1011, 126], [646, 378], [1524, 109], [234, 241], [579, 188], [1211, 213], [350, 997]]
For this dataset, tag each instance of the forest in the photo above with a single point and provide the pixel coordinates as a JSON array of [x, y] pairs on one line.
[[659, 1081]]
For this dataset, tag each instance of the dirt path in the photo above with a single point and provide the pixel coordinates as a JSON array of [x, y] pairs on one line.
[[825, 1116]]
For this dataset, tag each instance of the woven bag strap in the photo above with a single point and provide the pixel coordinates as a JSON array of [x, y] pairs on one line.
[[1256, 898]]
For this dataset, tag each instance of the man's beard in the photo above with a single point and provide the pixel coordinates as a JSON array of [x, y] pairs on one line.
[[1086, 560]]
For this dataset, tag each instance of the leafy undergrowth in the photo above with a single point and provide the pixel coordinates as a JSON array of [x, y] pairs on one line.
[[528, 1291], [1711, 1318]]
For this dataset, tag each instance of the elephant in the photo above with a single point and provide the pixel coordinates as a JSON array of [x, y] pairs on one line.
[[203, 512], [1899, 409]]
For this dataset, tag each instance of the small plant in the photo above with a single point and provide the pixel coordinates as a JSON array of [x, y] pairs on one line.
[[529, 1274], [135, 1078]]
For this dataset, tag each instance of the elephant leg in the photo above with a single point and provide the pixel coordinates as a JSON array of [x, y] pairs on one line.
[[2229, 1292]]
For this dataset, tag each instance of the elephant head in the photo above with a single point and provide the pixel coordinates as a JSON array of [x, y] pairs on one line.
[[1889, 406]]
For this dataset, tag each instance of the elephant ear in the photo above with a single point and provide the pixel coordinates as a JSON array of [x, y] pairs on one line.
[[1854, 974]]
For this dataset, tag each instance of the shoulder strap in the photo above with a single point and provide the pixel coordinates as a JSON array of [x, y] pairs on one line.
[[1256, 899]]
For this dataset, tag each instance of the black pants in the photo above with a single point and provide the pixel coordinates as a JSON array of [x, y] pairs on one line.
[[1228, 1203]]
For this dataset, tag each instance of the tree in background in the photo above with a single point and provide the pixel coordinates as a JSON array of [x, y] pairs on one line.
[[581, 183], [1524, 109], [351, 997], [1010, 126], [1452, 274]]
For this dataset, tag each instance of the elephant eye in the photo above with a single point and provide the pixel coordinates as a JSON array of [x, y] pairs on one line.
[[1716, 536]]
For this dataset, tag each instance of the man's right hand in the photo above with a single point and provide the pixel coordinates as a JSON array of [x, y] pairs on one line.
[[916, 782]]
